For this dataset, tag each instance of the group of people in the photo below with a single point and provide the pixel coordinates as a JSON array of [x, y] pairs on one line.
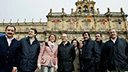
[[85, 55]]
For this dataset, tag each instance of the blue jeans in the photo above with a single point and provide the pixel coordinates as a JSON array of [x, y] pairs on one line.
[[47, 69]]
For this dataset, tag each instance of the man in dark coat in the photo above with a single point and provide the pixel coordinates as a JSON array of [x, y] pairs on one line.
[[66, 55], [8, 50], [100, 67], [115, 53], [90, 54], [29, 51]]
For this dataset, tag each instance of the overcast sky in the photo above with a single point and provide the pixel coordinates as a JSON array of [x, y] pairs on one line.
[[21, 9]]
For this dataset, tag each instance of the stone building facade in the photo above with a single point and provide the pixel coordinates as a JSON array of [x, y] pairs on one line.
[[84, 18]]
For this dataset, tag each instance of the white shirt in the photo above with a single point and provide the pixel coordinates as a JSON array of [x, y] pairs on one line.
[[114, 40], [9, 41], [31, 41], [65, 43]]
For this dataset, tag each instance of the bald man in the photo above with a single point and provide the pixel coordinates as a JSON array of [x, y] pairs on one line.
[[66, 55]]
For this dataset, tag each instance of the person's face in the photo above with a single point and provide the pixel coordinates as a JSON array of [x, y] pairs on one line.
[[86, 36], [98, 37], [80, 42], [113, 34], [10, 32], [64, 38], [52, 38], [74, 43], [31, 33]]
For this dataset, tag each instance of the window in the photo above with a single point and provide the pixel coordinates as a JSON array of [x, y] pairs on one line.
[[27, 29], [117, 26], [56, 26], [85, 9], [87, 26], [43, 29], [71, 26], [79, 10], [92, 11], [102, 26]]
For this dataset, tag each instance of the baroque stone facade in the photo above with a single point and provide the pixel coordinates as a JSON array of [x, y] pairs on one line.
[[75, 24]]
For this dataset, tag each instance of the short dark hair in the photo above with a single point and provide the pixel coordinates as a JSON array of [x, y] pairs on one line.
[[53, 35], [99, 33], [85, 33], [10, 26], [34, 30]]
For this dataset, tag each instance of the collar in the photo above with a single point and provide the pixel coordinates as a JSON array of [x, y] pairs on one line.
[[87, 40], [9, 39], [51, 43], [65, 43], [99, 42], [29, 39], [114, 40]]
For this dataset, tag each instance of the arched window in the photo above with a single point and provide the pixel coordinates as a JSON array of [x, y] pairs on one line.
[[87, 26], [85, 9], [27, 29], [56, 26], [102, 26], [79, 10], [71, 26], [43, 29], [92, 10], [118, 26]]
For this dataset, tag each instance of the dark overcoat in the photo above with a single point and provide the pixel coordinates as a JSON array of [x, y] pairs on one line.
[[8, 54], [28, 54], [66, 56]]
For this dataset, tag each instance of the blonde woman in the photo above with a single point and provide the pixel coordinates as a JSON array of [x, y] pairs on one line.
[[47, 59]]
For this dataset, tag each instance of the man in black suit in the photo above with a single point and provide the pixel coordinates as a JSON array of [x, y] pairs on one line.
[[90, 53], [8, 50], [100, 67]]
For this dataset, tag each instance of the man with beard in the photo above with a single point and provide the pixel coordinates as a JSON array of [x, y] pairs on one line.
[[90, 54], [30, 48], [8, 50], [115, 53]]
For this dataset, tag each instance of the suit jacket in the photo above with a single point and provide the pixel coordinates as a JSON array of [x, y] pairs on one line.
[[48, 54], [8, 54]]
